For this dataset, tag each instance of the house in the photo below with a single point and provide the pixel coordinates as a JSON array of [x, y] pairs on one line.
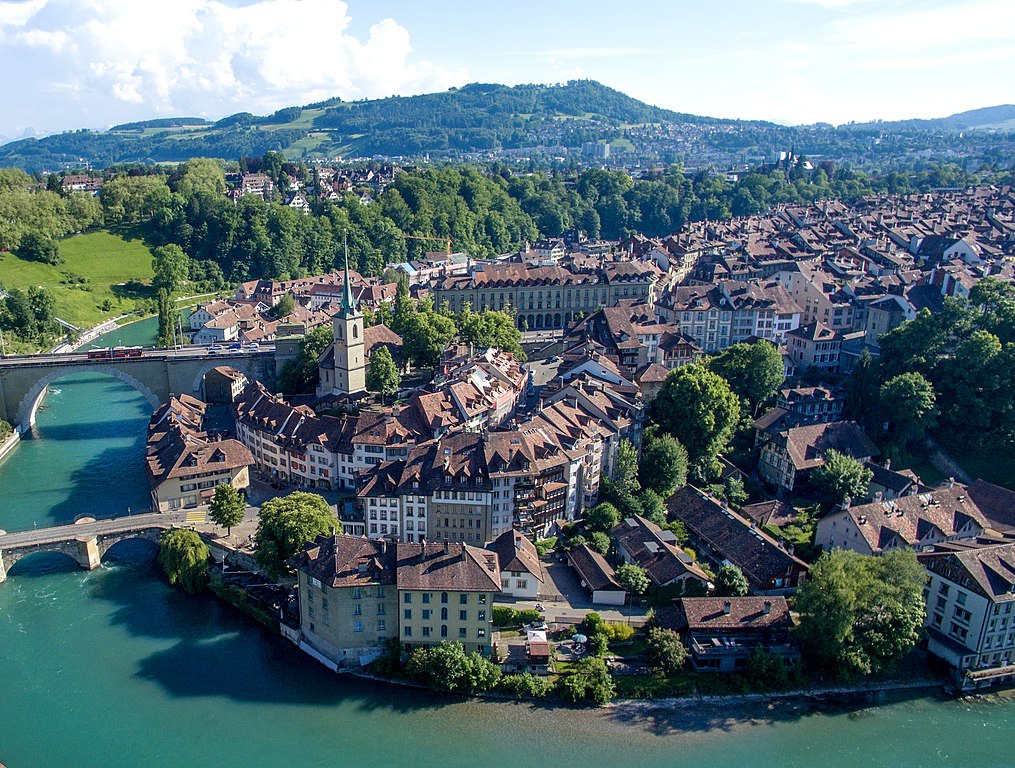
[[922, 521], [970, 619], [518, 563], [645, 544], [720, 536], [183, 463], [596, 576], [348, 599], [889, 483], [223, 384], [814, 346], [721, 633], [445, 593], [788, 455]]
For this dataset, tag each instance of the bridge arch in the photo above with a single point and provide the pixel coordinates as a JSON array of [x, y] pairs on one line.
[[29, 405]]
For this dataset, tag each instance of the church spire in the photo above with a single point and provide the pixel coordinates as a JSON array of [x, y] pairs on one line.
[[348, 304]]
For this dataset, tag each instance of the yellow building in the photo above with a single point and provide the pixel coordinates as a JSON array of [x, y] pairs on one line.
[[445, 593]]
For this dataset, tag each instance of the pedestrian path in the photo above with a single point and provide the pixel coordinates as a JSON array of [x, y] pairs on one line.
[[197, 516]]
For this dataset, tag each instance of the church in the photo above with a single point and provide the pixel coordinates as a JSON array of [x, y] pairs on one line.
[[342, 369]]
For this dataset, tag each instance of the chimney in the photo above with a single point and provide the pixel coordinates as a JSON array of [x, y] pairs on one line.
[[877, 497], [951, 482], [384, 546], [727, 607], [888, 463], [767, 609], [847, 502], [447, 547]]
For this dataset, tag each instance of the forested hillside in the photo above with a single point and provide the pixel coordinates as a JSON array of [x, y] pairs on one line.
[[543, 123]]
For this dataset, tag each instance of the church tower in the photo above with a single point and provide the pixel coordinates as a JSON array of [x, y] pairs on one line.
[[347, 330]]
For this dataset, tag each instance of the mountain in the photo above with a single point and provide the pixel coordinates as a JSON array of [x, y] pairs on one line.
[[488, 121], [999, 118]]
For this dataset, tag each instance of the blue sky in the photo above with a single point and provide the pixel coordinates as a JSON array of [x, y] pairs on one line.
[[68, 64]]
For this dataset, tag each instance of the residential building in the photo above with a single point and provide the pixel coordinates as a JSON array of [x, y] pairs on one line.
[[721, 633], [645, 544], [720, 536], [788, 455], [183, 463], [970, 619], [223, 384], [348, 599], [596, 576], [518, 562], [445, 593], [814, 347]]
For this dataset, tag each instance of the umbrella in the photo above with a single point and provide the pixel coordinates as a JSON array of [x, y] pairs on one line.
[[581, 639]]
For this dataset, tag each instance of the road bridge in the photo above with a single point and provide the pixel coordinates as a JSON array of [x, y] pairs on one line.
[[86, 542], [155, 373]]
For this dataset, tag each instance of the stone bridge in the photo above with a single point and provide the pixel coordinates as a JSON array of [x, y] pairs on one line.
[[156, 374], [85, 542]]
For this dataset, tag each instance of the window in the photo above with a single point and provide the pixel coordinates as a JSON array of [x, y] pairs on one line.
[[426, 631], [463, 615], [407, 598], [462, 632], [444, 630], [426, 598], [482, 616], [381, 609], [407, 632], [380, 591], [444, 598], [357, 627], [381, 626], [357, 609], [444, 614], [463, 598], [356, 593], [960, 598], [481, 633], [482, 599], [426, 613], [407, 614]]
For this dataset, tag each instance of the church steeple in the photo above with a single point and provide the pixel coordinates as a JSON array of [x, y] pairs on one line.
[[348, 303]]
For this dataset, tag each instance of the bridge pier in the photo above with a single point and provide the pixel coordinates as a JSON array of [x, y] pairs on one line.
[[89, 556], [3, 570]]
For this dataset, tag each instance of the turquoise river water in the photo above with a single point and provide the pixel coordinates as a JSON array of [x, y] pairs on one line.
[[113, 668]]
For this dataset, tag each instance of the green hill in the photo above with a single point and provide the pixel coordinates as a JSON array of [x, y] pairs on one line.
[[97, 267]]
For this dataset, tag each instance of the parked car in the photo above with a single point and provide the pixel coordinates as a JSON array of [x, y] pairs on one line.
[[214, 348], [253, 345]]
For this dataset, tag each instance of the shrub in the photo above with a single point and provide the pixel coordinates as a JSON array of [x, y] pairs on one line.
[[505, 616], [184, 559], [525, 685], [616, 631], [590, 681], [666, 654]]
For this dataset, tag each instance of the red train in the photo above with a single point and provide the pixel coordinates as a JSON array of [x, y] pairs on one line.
[[106, 353]]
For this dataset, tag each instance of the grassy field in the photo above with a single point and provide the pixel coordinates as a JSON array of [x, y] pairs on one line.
[[97, 267]]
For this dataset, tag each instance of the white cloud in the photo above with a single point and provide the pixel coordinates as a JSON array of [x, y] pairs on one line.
[[131, 59], [590, 52]]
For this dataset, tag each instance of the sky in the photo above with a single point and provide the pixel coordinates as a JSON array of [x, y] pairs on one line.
[[69, 64]]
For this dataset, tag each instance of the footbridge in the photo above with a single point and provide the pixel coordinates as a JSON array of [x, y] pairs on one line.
[[87, 541], [155, 373]]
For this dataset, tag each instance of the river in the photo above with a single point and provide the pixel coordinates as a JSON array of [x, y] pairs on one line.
[[113, 668]]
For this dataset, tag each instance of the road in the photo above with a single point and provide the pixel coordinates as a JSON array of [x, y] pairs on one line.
[[96, 528], [179, 353]]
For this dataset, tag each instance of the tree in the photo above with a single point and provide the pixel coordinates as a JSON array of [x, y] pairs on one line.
[[600, 542], [35, 246], [171, 266], [633, 579], [653, 507], [299, 376], [166, 321], [285, 306], [698, 408], [590, 680], [908, 401], [286, 524], [427, 334], [625, 469], [665, 653], [447, 667], [184, 559], [382, 375], [525, 684], [602, 517], [227, 507], [860, 613], [201, 175], [730, 581], [841, 476], [753, 371], [663, 466]]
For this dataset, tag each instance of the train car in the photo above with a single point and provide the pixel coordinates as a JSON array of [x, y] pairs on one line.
[[100, 354], [126, 352]]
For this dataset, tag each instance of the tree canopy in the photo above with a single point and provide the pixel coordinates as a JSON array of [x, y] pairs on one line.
[[754, 371], [859, 613], [382, 374], [730, 581], [663, 466], [184, 559], [227, 507], [698, 408], [287, 523], [841, 477]]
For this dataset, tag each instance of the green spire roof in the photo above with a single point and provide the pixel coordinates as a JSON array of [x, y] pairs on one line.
[[348, 303]]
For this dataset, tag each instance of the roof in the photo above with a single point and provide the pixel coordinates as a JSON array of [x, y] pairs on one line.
[[516, 553], [807, 444], [989, 571], [593, 568], [656, 551], [447, 567], [754, 552], [733, 613], [347, 561]]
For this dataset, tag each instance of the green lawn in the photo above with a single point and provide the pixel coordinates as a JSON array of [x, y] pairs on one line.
[[112, 269], [997, 467]]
